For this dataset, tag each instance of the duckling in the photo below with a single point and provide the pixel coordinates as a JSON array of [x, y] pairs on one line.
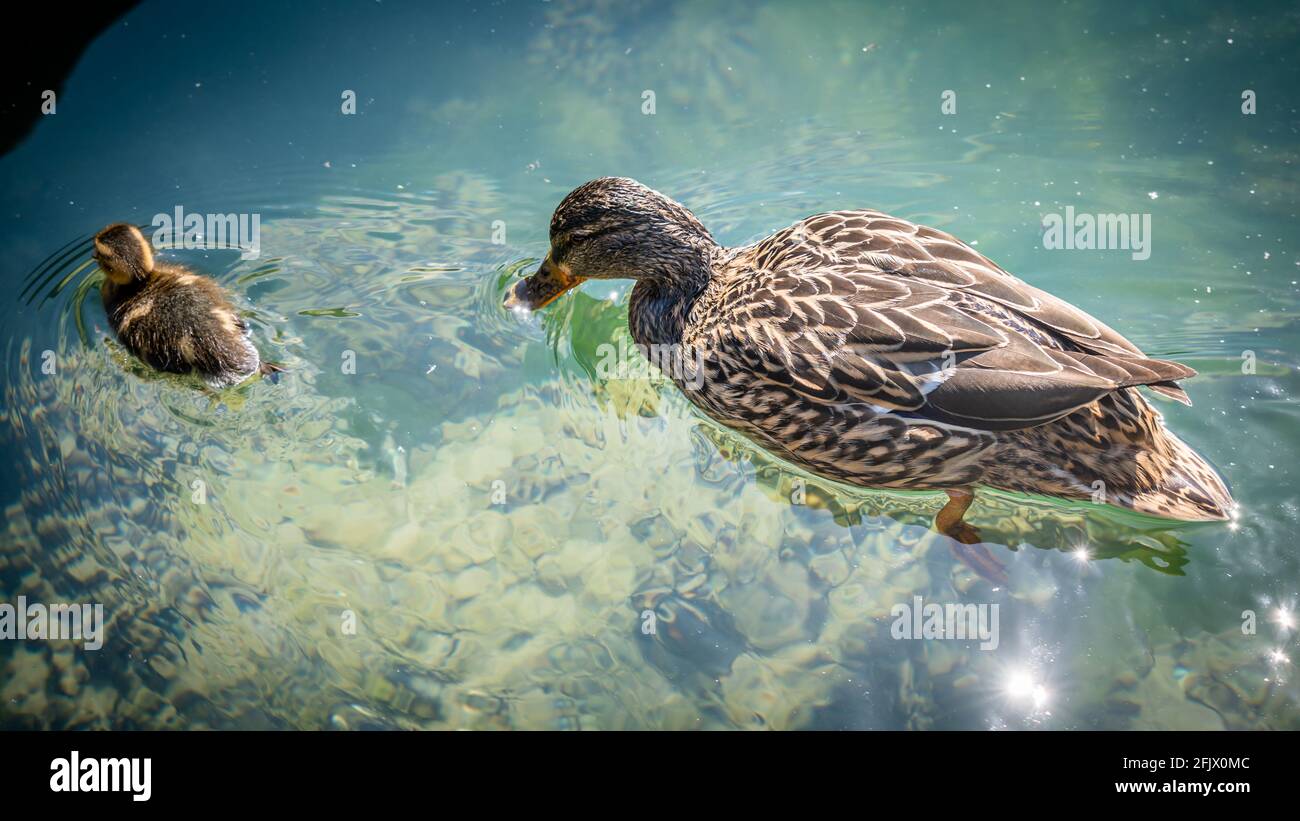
[[170, 317]]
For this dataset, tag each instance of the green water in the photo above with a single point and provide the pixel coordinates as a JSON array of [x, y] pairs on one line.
[[443, 516]]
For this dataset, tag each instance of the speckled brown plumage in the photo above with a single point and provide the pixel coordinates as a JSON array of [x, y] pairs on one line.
[[882, 353], [170, 317]]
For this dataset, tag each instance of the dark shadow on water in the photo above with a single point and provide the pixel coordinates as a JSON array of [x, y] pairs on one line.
[[29, 72]]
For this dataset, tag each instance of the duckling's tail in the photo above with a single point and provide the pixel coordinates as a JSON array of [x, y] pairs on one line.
[[1189, 489]]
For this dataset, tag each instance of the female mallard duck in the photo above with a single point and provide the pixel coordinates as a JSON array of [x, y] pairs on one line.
[[170, 317], [881, 353]]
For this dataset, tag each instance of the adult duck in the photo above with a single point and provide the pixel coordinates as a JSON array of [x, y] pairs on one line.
[[874, 351]]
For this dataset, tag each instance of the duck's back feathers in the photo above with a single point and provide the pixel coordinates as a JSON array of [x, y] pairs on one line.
[[178, 321], [859, 307]]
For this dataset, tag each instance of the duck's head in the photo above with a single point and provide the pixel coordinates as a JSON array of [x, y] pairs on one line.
[[123, 252], [617, 228]]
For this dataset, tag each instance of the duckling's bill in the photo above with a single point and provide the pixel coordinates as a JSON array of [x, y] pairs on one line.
[[543, 287]]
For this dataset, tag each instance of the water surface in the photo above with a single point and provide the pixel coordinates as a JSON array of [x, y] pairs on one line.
[[466, 528]]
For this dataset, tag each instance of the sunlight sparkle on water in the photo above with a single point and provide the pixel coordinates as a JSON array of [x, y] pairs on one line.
[[1021, 687], [1284, 618]]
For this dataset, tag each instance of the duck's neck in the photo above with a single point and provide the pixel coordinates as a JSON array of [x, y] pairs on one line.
[[662, 299]]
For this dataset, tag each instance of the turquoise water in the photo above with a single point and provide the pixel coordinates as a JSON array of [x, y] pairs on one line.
[[465, 527]]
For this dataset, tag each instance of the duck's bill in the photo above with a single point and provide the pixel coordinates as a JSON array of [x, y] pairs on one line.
[[542, 288]]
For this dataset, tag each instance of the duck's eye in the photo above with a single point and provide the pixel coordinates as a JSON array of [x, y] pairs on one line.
[[598, 231]]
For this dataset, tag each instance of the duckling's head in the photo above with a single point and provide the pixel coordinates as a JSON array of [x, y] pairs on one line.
[[617, 228], [123, 252]]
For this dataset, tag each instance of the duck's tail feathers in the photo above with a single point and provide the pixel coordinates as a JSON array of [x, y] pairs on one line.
[[1171, 390], [1189, 489]]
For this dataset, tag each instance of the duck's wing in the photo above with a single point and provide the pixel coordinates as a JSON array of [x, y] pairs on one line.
[[856, 307]]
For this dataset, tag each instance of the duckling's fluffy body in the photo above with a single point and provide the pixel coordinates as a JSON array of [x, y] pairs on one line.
[[882, 353], [170, 317]]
